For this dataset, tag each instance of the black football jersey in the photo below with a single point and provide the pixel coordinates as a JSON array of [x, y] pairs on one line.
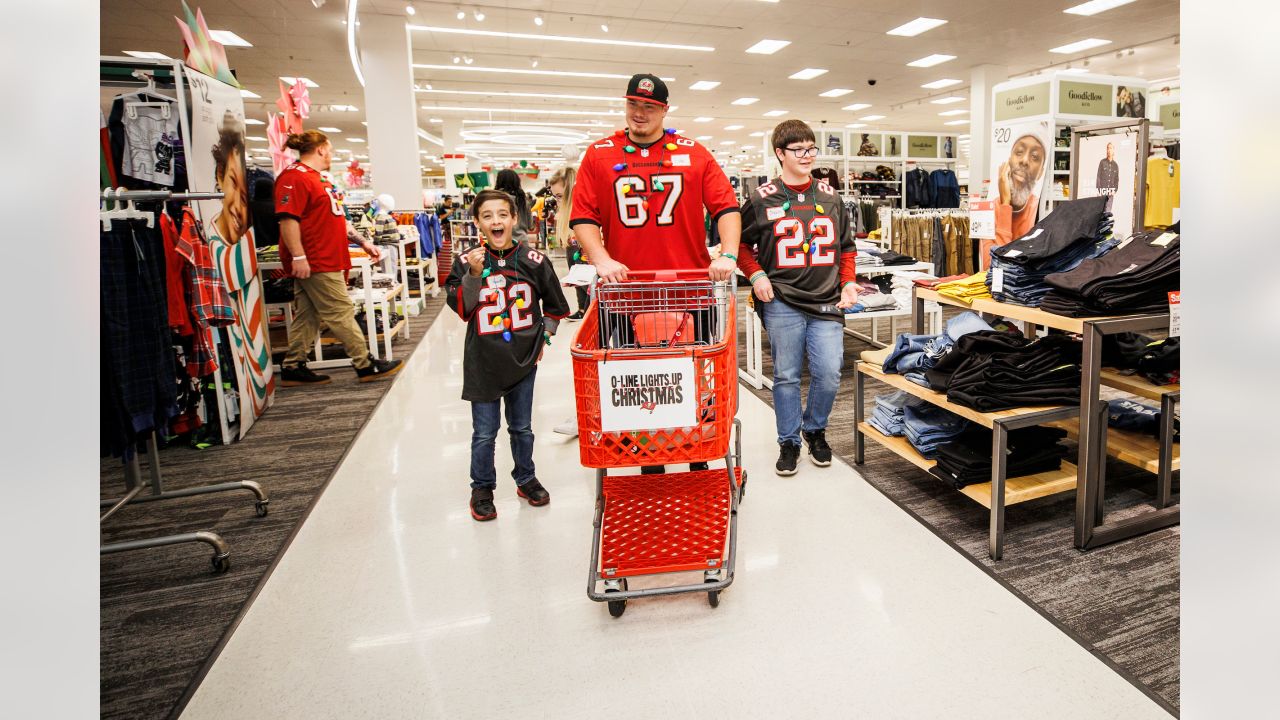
[[506, 318], [803, 241]]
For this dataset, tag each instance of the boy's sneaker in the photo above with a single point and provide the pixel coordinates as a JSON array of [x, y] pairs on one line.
[[534, 493], [301, 376], [787, 457], [568, 427], [819, 450], [378, 370], [482, 508]]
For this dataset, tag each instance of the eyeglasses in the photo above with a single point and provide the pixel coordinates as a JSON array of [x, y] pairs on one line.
[[800, 152]]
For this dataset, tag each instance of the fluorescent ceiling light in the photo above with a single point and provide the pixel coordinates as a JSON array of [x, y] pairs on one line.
[[808, 74], [856, 106], [253, 121], [856, 125], [939, 84], [504, 93], [434, 120], [758, 133], [293, 81], [1093, 7], [732, 127], [330, 129], [871, 118], [533, 111], [559, 38], [359, 140], [957, 122], [147, 55], [344, 108], [727, 142], [917, 26], [835, 92], [526, 71], [948, 100], [775, 113], [703, 119], [953, 113], [705, 85], [1087, 44], [768, 47], [931, 60], [745, 101], [255, 138], [703, 137], [596, 124], [1074, 71], [247, 93], [229, 39]]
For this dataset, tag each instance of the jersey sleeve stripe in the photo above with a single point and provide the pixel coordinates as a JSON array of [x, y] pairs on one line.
[[726, 211], [583, 221]]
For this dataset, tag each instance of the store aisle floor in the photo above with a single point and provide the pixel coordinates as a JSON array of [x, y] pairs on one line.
[[393, 602]]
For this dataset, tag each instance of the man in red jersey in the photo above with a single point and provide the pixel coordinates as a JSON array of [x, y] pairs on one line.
[[638, 203]]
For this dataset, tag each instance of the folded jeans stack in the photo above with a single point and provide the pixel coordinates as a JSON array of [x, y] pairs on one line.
[[967, 459], [888, 415], [928, 427], [1073, 233], [1136, 277], [973, 287], [990, 371], [1138, 417]]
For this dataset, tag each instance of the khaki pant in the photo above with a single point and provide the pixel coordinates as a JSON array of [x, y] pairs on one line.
[[322, 300]]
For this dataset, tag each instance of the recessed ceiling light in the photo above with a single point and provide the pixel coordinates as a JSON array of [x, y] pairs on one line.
[[1093, 7], [931, 60], [330, 129], [147, 55], [775, 113], [253, 121], [344, 108], [461, 15], [939, 84], [468, 59], [305, 81], [358, 140], [557, 38], [410, 9], [915, 27], [732, 127], [530, 111], [434, 120], [604, 27], [758, 133], [228, 38], [1086, 44], [479, 16], [953, 113], [727, 142], [957, 122], [703, 119], [703, 137], [456, 59], [247, 93], [835, 92], [871, 118], [856, 106], [948, 100], [537, 20], [768, 47], [856, 125], [808, 74], [705, 85], [745, 101], [527, 71]]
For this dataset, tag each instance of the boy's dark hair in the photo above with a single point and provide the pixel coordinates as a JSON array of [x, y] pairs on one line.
[[792, 131], [485, 196]]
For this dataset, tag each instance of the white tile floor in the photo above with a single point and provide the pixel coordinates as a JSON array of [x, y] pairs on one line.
[[393, 603]]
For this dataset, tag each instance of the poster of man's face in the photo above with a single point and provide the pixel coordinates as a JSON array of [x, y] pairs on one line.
[[1108, 167]]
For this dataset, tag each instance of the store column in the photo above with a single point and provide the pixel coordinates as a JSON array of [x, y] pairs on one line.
[[390, 108], [982, 79], [455, 161]]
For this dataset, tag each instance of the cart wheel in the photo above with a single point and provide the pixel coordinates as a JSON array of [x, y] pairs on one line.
[[713, 597], [617, 607], [261, 507], [221, 563]]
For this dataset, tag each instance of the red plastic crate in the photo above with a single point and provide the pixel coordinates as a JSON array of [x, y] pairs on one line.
[[664, 523]]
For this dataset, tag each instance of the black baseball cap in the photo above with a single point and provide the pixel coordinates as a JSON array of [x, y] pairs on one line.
[[647, 88]]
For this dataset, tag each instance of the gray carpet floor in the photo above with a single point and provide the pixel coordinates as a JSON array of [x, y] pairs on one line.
[[163, 612], [1120, 601]]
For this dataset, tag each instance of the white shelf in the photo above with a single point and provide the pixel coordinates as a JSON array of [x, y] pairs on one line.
[[889, 269]]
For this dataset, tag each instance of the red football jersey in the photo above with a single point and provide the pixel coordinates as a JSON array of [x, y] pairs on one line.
[[303, 193], [649, 202]]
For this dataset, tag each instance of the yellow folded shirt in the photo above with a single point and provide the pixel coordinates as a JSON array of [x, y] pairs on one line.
[[876, 357], [967, 290]]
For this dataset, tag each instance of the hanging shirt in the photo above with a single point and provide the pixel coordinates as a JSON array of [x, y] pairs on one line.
[[522, 293], [774, 240], [206, 295], [644, 227], [151, 137], [303, 194], [1164, 176]]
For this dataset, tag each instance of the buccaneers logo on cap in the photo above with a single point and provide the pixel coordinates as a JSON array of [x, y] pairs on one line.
[[646, 86]]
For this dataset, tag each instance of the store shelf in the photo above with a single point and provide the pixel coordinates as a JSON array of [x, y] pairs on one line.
[[1009, 310], [1016, 489], [379, 295], [1136, 384], [986, 420], [886, 269], [877, 314], [1134, 448]]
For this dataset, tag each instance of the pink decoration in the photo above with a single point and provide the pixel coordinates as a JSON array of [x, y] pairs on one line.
[[277, 135], [355, 175], [301, 100]]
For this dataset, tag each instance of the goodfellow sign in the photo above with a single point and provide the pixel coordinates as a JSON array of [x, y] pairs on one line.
[[1077, 98], [1022, 102]]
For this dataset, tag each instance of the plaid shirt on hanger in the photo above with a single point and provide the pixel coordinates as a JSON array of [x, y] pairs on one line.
[[207, 296]]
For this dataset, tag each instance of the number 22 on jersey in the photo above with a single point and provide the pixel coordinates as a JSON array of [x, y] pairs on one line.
[[791, 238], [497, 300]]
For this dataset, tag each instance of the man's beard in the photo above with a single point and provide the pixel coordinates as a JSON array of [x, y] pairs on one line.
[[1020, 193]]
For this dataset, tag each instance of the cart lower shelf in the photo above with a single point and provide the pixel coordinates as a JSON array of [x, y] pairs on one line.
[[673, 522]]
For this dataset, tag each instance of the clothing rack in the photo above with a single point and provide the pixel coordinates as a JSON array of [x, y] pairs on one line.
[[134, 485]]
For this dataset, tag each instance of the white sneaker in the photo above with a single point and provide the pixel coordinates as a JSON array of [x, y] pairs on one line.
[[568, 427]]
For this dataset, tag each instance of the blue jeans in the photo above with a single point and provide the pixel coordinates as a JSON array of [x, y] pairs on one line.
[[793, 336], [485, 418]]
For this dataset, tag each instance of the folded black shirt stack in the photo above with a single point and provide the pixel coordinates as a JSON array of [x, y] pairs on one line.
[[1156, 360], [967, 459], [1074, 232], [1135, 277], [989, 371]]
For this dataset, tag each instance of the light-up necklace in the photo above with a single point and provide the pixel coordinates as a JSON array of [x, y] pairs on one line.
[[786, 207], [504, 319], [665, 161]]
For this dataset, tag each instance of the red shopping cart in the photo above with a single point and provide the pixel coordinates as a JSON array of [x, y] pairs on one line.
[[655, 374]]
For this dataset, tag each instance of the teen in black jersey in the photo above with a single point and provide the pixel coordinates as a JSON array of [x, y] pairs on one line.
[[510, 297], [798, 251]]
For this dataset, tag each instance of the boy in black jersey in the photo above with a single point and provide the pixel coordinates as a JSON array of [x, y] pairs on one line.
[[798, 252], [510, 297]]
